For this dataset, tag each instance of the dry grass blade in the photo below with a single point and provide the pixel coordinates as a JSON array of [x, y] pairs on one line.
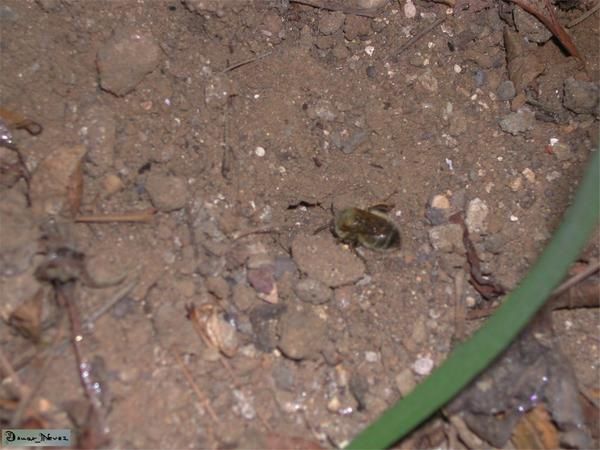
[[143, 216]]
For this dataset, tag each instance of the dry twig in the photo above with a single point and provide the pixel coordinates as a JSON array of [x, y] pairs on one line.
[[144, 216]]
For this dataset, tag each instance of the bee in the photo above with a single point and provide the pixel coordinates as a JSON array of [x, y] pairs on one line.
[[370, 228]]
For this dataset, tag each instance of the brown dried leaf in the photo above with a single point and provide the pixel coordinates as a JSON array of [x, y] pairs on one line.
[[27, 318], [535, 430], [214, 330]]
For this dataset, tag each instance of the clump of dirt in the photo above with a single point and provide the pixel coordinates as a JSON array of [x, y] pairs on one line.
[[194, 148]]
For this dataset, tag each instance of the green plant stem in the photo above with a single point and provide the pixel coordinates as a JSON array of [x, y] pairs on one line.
[[473, 356]]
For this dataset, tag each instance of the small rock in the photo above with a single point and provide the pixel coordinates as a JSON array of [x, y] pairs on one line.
[[529, 175], [516, 184], [506, 91], [111, 184], [262, 279], [410, 11], [581, 96], [167, 193], [530, 28], [125, 59], [218, 287], [419, 333], [303, 334], [284, 374], [480, 77], [55, 180], [186, 287], [371, 357], [422, 366], [356, 26], [322, 109], [272, 25], [329, 23], [438, 210], [340, 51], [49, 5], [405, 382], [418, 60], [518, 122], [494, 244], [306, 37], [312, 291], [359, 388], [440, 202], [243, 297], [324, 42], [265, 325], [283, 265], [562, 151], [447, 238], [370, 4], [322, 259], [427, 81], [477, 212]]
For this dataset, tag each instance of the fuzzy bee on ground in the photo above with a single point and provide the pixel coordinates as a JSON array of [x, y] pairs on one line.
[[370, 228]]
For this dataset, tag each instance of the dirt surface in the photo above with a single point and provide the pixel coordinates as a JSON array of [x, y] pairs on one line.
[[244, 125]]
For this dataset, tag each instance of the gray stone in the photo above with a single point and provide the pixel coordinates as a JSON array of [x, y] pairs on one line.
[[312, 291], [447, 238], [506, 91], [125, 59], [476, 216], [329, 23], [518, 122], [581, 96], [167, 193], [303, 334]]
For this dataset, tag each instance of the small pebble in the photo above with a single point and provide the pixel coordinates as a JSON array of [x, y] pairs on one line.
[[167, 193], [529, 174], [371, 357], [410, 11], [447, 238], [581, 96], [422, 366], [112, 184], [371, 71], [405, 382], [480, 78], [506, 91], [477, 211], [259, 151], [516, 184], [218, 287], [312, 291], [329, 23]]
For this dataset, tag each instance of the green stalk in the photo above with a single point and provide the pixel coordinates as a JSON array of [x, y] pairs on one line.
[[473, 356]]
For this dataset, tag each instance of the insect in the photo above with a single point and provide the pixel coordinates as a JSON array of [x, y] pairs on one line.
[[371, 228]]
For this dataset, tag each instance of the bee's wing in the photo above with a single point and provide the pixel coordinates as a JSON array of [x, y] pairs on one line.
[[373, 224]]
